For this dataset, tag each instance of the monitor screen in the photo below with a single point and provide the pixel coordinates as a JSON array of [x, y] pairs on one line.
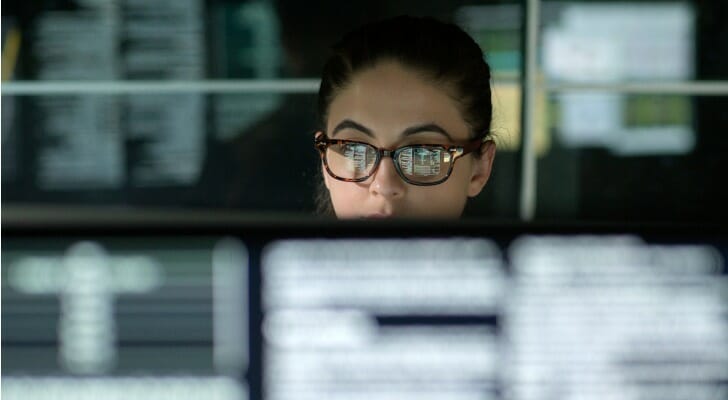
[[364, 311]]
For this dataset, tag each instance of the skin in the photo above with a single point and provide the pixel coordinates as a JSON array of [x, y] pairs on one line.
[[387, 100]]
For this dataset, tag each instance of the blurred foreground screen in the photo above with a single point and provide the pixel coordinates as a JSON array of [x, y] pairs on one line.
[[334, 313]]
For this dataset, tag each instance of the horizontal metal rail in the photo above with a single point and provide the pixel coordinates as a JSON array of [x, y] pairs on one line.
[[160, 87], [694, 88]]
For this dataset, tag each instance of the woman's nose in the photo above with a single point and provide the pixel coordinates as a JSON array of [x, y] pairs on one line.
[[386, 181]]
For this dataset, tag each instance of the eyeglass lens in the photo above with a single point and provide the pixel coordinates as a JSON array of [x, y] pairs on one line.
[[421, 164]]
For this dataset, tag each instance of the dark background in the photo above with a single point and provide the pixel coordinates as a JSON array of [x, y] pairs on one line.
[[265, 163]]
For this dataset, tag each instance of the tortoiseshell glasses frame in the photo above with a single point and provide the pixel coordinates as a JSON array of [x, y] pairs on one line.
[[447, 154]]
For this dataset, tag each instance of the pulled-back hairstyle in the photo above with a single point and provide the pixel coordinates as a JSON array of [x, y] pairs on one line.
[[441, 53]]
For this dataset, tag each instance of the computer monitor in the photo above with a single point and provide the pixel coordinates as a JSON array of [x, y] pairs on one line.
[[385, 310]]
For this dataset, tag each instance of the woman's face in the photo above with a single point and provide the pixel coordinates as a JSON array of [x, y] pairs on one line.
[[377, 107]]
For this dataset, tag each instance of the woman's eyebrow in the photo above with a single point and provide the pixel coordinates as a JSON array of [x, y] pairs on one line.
[[426, 128], [349, 124], [431, 127]]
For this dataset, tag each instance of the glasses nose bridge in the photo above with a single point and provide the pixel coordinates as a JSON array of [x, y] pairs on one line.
[[387, 153], [391, 154]]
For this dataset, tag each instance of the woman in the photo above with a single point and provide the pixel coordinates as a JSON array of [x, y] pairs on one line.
[[405, 109]]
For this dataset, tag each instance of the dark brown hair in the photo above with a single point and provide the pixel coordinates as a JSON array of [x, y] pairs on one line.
[[442, 52]]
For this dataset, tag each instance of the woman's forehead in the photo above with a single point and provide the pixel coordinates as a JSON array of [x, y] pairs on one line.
[[390, 97]]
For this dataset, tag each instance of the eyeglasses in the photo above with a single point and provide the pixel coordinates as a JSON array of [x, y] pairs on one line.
[[418, 164]]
